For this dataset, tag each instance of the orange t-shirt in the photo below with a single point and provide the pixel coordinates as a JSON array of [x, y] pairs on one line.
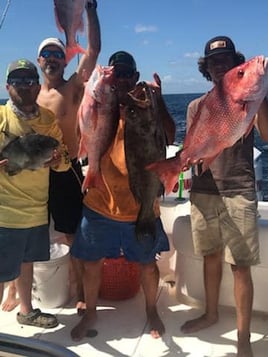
[[117, 202]]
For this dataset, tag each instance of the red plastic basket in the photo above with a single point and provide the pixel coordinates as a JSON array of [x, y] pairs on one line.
[[120, 279]]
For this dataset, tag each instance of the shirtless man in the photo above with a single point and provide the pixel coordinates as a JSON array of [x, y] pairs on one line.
[[63, 98]]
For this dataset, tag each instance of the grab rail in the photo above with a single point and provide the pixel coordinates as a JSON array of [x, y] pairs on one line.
[[31, 347]]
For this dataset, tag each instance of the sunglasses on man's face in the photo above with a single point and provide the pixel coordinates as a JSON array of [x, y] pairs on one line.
[[49, 53], [22, 81], [119, 73]]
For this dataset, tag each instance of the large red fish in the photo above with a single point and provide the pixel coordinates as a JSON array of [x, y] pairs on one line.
[[224, 116], [98, 117], [69, 19]]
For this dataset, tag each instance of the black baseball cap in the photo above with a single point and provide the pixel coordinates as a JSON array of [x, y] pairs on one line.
[[22, 64], [122, 57], [219, 44]]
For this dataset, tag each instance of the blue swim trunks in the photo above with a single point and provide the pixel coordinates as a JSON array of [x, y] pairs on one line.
[[100, 237], [18, 245]]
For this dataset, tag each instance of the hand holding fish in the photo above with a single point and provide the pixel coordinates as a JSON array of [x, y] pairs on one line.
[[3, 162], [54, 161]]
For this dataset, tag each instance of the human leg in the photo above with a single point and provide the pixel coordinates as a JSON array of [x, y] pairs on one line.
[[91, 283], [28, 315], [76, 275], [1, 291], [11, 301], [243, 292], [149, 282], [24, 286], [65, 207], [212, 271], [242, 253]]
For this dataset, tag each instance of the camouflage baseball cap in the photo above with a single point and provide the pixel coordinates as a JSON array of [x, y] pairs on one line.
[[22, 64]]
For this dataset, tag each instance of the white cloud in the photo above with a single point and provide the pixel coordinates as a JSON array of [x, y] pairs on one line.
[[169, 43], [145, 42], [145, 28], [166, 79], [192, 55]]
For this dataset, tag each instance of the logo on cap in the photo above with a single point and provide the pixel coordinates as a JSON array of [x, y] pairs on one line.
[[217, 44]]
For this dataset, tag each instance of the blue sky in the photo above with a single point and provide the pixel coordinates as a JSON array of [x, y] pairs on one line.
[[166, 37]]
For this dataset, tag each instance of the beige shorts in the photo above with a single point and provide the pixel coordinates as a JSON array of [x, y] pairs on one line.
[[225, 223]]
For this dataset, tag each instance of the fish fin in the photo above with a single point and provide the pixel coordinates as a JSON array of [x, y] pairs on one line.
[[93, 180], [167, 171], [145, 227], [72, 51], [249, 129], [12, 171], [206, 163], [82, 151]]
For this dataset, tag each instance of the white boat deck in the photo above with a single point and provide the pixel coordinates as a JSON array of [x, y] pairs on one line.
[[122, 330]]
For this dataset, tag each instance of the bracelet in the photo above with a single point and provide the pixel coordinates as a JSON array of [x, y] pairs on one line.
[[91, 4]]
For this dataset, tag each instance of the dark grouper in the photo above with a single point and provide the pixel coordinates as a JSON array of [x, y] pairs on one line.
[[30, 152], [144, 142]]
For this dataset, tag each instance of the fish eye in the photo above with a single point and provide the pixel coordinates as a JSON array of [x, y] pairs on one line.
[[240, 73]]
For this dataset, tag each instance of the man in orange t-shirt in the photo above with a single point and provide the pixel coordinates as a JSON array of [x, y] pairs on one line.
[[108, 223]]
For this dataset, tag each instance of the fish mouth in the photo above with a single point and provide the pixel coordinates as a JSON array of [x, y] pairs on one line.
[[142, 95], [265, 62]]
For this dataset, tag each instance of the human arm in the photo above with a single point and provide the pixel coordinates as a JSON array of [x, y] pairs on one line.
[[261, 120], [88, 61], [60, 160], [3, 162]]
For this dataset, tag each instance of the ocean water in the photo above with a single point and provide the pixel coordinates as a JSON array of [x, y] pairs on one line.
[[177, 106]]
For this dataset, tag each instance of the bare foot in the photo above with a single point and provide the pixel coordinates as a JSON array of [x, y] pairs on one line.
[[10, 304], [11, 301], [244, 348], [81, 329], [81, 308], [199, 323], [157, 328]]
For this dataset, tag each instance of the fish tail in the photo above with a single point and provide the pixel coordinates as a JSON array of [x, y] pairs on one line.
[[93, 180], [144, 228], [167, 171], [72, 51], [82, 152]]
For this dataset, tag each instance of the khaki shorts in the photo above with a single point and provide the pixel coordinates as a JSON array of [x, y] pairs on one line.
[[225, 223]]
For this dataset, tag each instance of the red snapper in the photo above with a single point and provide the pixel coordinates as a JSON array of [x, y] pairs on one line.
[[98, 117], [69, 19]]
